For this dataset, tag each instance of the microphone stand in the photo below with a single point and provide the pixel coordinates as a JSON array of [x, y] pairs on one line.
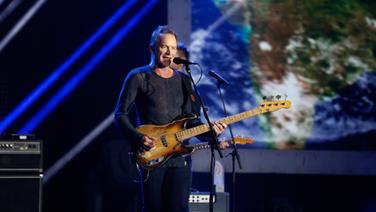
[[213, 141], [235, 154]]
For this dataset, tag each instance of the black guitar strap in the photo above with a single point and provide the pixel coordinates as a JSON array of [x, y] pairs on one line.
[[193, 104], [192, 107]]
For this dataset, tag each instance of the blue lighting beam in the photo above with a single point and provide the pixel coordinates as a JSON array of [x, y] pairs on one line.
[[75, 80], [36, 93]]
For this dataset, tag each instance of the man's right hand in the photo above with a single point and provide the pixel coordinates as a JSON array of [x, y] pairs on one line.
[[148, 143]]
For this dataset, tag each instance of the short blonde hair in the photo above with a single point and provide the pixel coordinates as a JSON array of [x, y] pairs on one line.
[[158, 31]]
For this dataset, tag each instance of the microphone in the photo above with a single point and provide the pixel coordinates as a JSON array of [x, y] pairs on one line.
[[218, 77], [178, 60]]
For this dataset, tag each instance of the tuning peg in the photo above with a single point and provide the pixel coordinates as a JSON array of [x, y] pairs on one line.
[[264, 97], [278, 97], [271, 98]]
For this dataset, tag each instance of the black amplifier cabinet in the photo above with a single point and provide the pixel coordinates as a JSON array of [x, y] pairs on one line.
[[20, 192], [199, 202], [21, 156], [21, 175]]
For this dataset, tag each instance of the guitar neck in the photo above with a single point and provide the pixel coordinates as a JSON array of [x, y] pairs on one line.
[[188, 133]]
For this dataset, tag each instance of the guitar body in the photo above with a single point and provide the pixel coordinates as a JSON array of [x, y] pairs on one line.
[[166, 146]]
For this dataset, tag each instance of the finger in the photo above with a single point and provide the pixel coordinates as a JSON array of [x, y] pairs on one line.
[[218, 126], [145, 147], [222, 128], [148, 145], [223, 125], [146, 142], [150, 139], [216, 129], [153, 141]]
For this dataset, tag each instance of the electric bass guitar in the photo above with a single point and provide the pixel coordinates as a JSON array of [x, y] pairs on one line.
[[169, 137], [199, 146]]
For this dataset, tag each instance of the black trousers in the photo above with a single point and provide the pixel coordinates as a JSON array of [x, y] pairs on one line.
[[167, 189]]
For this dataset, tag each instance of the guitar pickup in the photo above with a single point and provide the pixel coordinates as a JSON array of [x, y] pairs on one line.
[[164, 141]]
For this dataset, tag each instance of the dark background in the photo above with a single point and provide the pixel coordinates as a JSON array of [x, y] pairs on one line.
[[51, 36]]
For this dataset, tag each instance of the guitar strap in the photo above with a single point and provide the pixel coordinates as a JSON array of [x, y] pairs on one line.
[[193, 104]]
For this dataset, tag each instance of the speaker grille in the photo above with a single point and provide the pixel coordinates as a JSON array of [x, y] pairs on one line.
[[21, 193]]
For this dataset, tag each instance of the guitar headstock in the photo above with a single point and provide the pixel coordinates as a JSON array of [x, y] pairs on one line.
[[272, 104], [243, 140], [240, 140]]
